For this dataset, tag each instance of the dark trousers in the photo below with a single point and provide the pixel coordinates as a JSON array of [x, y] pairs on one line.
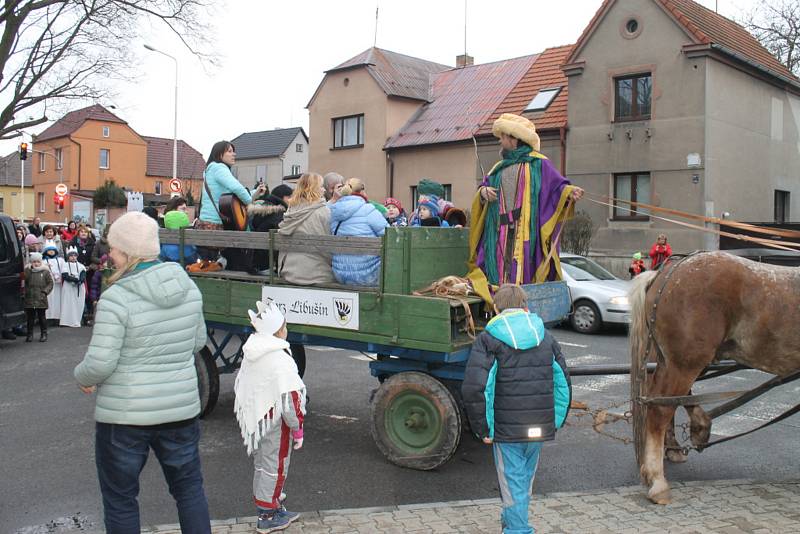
[[32, 314], [121, 452]]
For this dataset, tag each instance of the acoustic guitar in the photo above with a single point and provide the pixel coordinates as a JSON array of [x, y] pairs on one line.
[[233, 212]]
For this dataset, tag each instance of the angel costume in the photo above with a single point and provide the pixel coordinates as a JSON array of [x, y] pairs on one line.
[[55, 263], [73, 290]]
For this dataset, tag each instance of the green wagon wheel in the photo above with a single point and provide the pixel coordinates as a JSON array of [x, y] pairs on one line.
[[416, 422]]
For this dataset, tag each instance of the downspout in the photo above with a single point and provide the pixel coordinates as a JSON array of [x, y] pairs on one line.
[[562, 133], [391, 174], [80, 159]]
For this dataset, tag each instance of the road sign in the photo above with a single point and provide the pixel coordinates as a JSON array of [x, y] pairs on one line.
[[61, 189], [175, 185]]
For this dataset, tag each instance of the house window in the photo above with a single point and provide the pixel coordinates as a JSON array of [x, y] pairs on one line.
[[295, 170], [298, 147], [105, 158], [543, 99], [59, 159], [2, 207], [106, 131], [448, 194], [348, 132], [158, 188], [40, 199], [781, 206], [633, 188], [633, 96], [41, 162]]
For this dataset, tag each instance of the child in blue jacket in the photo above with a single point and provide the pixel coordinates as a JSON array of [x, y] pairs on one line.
[[516, 393], [175, 220]]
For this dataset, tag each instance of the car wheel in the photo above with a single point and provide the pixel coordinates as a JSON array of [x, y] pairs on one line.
[[586, 318]]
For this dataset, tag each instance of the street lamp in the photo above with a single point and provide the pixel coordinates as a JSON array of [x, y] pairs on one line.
[[175, 130]]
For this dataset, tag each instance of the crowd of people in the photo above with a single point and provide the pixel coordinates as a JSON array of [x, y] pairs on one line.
[[660, 254]]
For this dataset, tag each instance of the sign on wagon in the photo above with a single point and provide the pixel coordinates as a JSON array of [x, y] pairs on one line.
[[336, 309]]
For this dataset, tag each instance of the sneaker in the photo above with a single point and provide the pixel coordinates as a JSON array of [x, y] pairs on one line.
[[291, 516], [272, 521]]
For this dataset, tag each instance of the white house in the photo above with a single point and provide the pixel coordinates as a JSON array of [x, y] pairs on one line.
[[271, 156]]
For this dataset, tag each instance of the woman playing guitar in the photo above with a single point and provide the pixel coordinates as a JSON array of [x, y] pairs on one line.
[[218, 181]]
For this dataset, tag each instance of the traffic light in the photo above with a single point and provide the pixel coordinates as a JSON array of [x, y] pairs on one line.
[[58, 200], [23, 151]]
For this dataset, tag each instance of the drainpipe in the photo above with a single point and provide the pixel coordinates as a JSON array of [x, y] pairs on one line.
[[80, 158], [562, 133], [391, 175]]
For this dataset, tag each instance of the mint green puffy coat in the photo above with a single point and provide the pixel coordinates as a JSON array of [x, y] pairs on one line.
[[147, 328]]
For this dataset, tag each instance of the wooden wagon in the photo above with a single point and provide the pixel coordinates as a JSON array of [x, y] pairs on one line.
[[421, 343]]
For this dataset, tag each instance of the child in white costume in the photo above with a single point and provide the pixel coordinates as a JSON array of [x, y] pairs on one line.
[[54, 263], [270, 407], [73, 290]]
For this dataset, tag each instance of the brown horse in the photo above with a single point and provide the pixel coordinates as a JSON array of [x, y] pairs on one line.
[[712, 306]]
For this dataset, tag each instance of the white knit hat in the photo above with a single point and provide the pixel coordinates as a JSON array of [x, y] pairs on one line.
[[135, 234]]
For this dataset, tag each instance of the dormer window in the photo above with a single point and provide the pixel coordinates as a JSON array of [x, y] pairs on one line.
[[543, 99]]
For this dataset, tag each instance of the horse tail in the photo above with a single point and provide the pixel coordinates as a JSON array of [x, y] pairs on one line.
[[638, 329]]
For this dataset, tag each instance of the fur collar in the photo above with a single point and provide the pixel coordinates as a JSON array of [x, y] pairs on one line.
[[265, 209]]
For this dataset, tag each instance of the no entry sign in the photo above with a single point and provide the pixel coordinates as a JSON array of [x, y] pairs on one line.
[[175, 185], [61, 189]]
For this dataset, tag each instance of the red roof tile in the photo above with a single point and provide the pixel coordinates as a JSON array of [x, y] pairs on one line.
[[462, 99], [397, 74], [703, 26], [545, 73], [159, 159], [73, 120], [710, 27]]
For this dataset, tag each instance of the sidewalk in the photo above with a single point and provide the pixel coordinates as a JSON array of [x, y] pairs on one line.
[[729, 507]]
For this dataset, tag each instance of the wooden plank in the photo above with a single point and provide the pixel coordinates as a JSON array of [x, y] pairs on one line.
[[260, 241], [242, 276]]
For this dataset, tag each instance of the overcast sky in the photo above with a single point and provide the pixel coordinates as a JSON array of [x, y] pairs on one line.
[[272, 55]]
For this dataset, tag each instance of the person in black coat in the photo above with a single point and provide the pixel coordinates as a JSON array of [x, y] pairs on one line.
[[265, 214]]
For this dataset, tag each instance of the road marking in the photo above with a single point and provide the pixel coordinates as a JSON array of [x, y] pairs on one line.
[[587, 358], [566, 344], [602, 383], [344, 418]]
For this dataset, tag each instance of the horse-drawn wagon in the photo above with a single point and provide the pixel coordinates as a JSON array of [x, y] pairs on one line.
[[419, 343]]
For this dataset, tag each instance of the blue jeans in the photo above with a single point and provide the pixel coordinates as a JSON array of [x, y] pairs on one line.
[[120, 454], [516, 465]]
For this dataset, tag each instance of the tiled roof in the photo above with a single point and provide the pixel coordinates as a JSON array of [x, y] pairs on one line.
[[710, 27], [266, 144], [10, 169], [397, 74], [159, 159], [703, 26], [545, 73], [73, 120], [462, 100]]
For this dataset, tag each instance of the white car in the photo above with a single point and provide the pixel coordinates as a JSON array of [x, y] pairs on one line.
[[598, 297]]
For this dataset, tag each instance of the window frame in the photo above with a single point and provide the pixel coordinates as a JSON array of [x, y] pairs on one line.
[[106, 131], [615, 215], [59, 153], [298, 147], [158, 187], [635, 115], [108, 158], [295, 168], [360, 132], [42, 163], [555, 90], [40, 199], [785, 206]]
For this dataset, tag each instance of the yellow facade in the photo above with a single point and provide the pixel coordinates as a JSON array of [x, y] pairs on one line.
[[10, 196]]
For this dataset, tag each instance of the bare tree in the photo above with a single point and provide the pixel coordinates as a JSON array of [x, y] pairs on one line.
[[776, 24], [54, 51], [577, 235]]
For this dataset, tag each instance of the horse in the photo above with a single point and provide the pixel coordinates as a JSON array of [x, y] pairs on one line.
[[707, 307]]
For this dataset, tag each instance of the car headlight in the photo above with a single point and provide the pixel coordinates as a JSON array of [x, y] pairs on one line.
[[619, 301]]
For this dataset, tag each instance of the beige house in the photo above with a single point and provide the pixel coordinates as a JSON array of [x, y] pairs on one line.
[[271, 156], [674, 105], [10, 190], [358, 106]]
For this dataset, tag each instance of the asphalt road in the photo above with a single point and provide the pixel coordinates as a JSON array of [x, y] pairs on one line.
[[48, 481]]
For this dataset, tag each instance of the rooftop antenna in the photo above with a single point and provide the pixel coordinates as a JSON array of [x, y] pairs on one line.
[[375, 40]]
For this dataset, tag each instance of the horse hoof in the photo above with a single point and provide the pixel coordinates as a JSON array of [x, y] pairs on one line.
[[677, 457], [663, 497]]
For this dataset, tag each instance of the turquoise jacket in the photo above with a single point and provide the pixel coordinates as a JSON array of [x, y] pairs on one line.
[[220, 180], [516, 385], [147, 328]]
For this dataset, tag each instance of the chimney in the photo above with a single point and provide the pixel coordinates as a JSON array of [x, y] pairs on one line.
[[464, 61]]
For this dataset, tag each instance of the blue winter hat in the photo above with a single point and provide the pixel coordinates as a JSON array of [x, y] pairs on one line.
[[432, 203], [50, 245]]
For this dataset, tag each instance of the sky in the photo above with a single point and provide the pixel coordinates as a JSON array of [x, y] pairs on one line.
[[272, 55]]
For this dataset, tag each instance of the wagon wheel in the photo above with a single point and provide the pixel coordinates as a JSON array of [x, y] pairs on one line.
[[299, 356], [207, 380], [416, 422], [638, 410]]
